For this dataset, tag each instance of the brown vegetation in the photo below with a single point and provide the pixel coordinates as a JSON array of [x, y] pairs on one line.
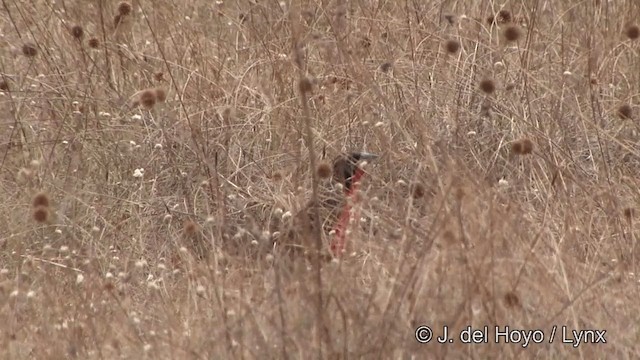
[[506, 192]]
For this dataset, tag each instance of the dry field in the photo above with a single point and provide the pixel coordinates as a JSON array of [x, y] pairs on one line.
[[149, 151]]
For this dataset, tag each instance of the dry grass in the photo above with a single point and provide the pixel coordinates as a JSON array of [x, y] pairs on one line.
[[148, 152]]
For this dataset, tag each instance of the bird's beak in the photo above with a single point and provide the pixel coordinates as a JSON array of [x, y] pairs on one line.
[[368, 156]]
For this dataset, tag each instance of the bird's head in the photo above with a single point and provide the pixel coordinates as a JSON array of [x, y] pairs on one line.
[[346, 166]]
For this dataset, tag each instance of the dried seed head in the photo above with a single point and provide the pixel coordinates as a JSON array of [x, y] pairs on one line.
[[385, 67], [511, 299], [522, 147], [516, 147], [158, 76], [161, 95], [625, 111], [628, 213], [77, 31], [29, 49], [324, 170], [124, 8], [4, 85], [449, 236], [93, 43], [147, 98], [41, 214], [487, 85], [452, 46], [512, 33], [40, 199], [504, 16], [632, 32], [417, 190], [305, 85], [190, 228], [450, 19]]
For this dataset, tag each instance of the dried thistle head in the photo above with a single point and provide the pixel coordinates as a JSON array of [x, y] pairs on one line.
[[41, 214], [504, 16], [29, 49], [522, 147], [324, 170], [385, 67], [124, 8], [190, 228], [452, 46], [147, 98], [77, 31], [93, 42], [304, 85], [487, 85], [417, 190], [451, 19], [40, 199], [625, 111], [632, 32], [276, 176], [449, 236], [512, 33], [512, 300]]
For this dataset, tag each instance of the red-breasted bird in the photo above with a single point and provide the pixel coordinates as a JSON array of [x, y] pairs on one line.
[[333, 207]]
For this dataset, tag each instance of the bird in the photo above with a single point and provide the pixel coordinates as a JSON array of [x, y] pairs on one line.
[[333, 207]]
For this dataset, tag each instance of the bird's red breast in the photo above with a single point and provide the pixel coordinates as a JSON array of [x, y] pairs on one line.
[[333, 203]]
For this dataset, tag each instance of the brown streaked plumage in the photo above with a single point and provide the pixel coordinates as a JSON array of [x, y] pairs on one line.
[[298, 239]]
